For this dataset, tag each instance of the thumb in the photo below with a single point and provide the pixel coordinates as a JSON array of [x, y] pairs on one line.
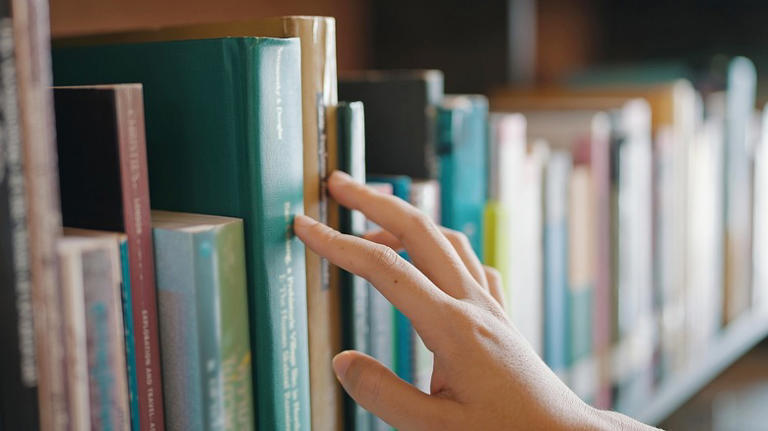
[[381, 392]]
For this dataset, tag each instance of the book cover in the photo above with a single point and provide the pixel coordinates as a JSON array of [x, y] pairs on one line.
[[203, 321], [380, 318], [402, 336], [425, 196], [104, 185], [127, 313], [557, 199], [760, 217], [226, 140], [317, 37], [347, 129], [461, 148], [98, 385], [33, 391], [400, 121]]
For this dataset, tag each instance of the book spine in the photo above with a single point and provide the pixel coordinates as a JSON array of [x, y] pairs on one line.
[[18, 399], [209, 319], [556, 312], [278, 307], [33, 69], [177, 301], [354, 289], [108, 390], [136, 206], [130, 335], [234, 341], [75, 338]]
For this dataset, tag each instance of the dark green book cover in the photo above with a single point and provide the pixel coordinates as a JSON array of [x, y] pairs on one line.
[[224, 130]]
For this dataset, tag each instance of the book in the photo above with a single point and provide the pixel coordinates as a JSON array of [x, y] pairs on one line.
[[507, 148], [400, 121], [104, 186], [317, 37], [740, 103], [127, 313], [557, 323], [203, 305], [226, 140], [402, 332], [33, 390], [425, 196], [760, 217], [461, 148], [346, 127], [96, 370], [380, 318]]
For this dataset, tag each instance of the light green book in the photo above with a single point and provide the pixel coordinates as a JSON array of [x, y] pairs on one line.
[[203, 315]]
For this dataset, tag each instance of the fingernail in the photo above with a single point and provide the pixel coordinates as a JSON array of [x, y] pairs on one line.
[[341, 363], [302, 222]]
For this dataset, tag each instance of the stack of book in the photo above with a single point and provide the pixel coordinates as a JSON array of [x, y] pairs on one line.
[[151, 279]]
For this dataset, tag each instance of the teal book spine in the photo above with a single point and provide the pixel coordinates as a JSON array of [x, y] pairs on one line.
[[178, 322], [354, 289], [463, 166], [403, 331], [223, 119], [130, 337]]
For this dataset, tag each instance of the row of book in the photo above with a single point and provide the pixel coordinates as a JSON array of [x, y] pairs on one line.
[[620, 217]]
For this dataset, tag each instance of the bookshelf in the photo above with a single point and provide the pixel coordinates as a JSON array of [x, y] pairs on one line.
[[734, 341]]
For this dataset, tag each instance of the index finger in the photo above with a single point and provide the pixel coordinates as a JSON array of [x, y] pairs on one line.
[[427, 247]]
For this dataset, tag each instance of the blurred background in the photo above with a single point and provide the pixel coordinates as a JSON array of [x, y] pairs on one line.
[[483, 46]]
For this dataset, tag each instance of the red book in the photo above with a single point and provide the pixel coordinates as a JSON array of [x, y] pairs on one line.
[[104, 185]]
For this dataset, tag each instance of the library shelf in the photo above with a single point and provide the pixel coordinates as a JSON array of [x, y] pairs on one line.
[[738, 338]]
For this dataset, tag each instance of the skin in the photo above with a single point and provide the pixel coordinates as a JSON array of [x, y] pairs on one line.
[[486, 375]]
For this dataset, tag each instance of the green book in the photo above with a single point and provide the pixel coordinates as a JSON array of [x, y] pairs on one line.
[[350, 135], [223, 121], [206, 353]]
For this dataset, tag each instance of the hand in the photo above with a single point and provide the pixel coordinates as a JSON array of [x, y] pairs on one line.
[[486, 375]]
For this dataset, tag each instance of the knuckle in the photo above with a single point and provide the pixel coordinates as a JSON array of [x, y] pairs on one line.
[[419, 221], [383, 256], [492, 273]]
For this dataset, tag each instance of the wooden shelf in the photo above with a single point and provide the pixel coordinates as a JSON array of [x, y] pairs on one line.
[[736, 340]]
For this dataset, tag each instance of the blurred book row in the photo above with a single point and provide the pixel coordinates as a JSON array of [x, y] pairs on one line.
[[625, 221]]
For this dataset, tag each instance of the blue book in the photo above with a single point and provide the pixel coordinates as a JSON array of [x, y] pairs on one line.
[[556, 310], [462, 152], [403, 331]]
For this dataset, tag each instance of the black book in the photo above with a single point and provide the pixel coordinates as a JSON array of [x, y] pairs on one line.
[[400, 119]]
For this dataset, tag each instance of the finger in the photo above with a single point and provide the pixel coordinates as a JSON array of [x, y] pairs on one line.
[[457, 239], [461, 244], [495, 284], [402, 284], [384, 237], [381, 392], [427, 247]]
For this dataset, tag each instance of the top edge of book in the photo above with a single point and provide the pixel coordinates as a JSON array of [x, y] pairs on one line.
[[392, 75], [463, 101], [110, 87], [278, 26], [84, 243], [188, 222], [93, 233]]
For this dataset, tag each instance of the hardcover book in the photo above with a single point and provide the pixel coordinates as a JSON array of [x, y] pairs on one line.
[[96, 371], [32, 393], [224, 138], [347, 129], [400, 120], [206, 352], [462, 146], [104, 186], [557, 199]]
